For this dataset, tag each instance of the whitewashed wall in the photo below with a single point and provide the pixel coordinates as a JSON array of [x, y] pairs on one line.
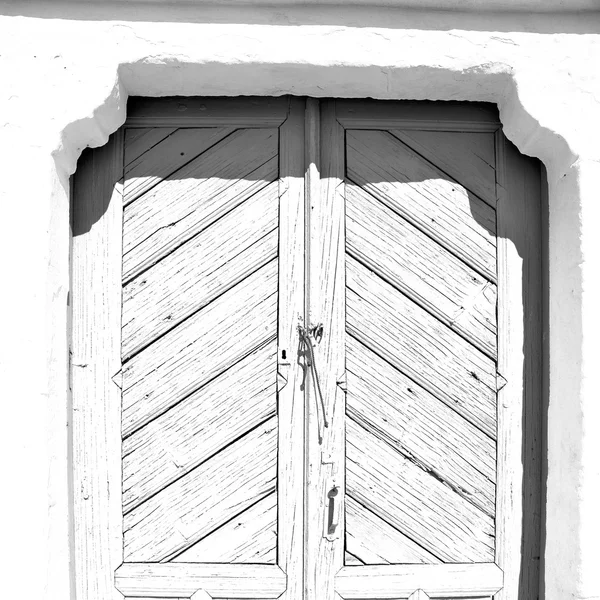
[[65, 73]]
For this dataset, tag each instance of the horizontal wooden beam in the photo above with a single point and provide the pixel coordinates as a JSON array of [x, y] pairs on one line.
[[400, 581], [180, 111], [400, 114], [158, 580]]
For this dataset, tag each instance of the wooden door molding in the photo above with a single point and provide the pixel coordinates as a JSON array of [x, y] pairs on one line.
[[313, 206]]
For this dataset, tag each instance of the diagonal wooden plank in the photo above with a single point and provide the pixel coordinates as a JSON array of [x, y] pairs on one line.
[[178, 441], [396, 409], [200, 348], [203, 191], [189, 509], [425, 196], [414, 502], [165, 158], [419, 345], [200, 270], [250, 537], [468, 157], [421, 268], [140, 139], [375, 542]]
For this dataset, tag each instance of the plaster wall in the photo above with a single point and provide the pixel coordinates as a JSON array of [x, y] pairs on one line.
[[66, 71]]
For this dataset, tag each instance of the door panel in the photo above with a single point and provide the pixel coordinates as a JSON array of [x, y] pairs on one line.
[[329, 352], [420, 347], [212, 295]]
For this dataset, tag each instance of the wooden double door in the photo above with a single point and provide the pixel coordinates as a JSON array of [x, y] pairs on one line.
[[329, 351]]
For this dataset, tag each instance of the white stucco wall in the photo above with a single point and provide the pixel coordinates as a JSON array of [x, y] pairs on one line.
[[66, 71]]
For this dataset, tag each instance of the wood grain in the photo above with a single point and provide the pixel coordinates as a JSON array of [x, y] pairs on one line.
[[468, 157], [375, 542], [197, 195], [421, 347], [168, 156], [178, 441], [140, 139], [422, 194], [400, 581], [290, 397], [250, 537], [414, 502], [520, 364], [220, 581], [200, 270], [421, 268], [435, 437], [325, 452], [180, 111], [95, 360], [200, 348], [204, 499]]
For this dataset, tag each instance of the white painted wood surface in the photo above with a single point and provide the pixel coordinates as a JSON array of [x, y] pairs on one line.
[[170, 213], [200, 270], [468, 157], [219, 581], [419, 345], [400, 581], [95, 366], [195, 429], [164, 159], [420, 267], [519, 363], [218, 337], [421, 193], [184, 512], [414, 502], [207, 343], [375, 542], [325, 398], [290, 397], [248, 538], [391, 406]]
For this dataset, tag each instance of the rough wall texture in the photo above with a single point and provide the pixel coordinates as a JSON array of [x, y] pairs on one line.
[[66, 72]]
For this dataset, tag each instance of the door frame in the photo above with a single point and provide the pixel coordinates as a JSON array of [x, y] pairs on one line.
[[96, 424]]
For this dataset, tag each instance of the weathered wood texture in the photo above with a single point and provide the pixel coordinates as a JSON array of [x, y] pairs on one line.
[[400, 581], [170, 213], [196, 504], [418, 191], [219, 581], [199, 347], [290, 396], [414, 502], [250, 537], [519, 364], [390, 405], [421, 268], [325, 397], [198, 272], [95, 360], [421, 346], [179, 111]]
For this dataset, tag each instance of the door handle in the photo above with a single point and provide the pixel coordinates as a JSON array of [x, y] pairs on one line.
[[333, 503]]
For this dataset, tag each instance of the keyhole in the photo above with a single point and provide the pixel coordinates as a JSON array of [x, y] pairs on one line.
[[283, 355]]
